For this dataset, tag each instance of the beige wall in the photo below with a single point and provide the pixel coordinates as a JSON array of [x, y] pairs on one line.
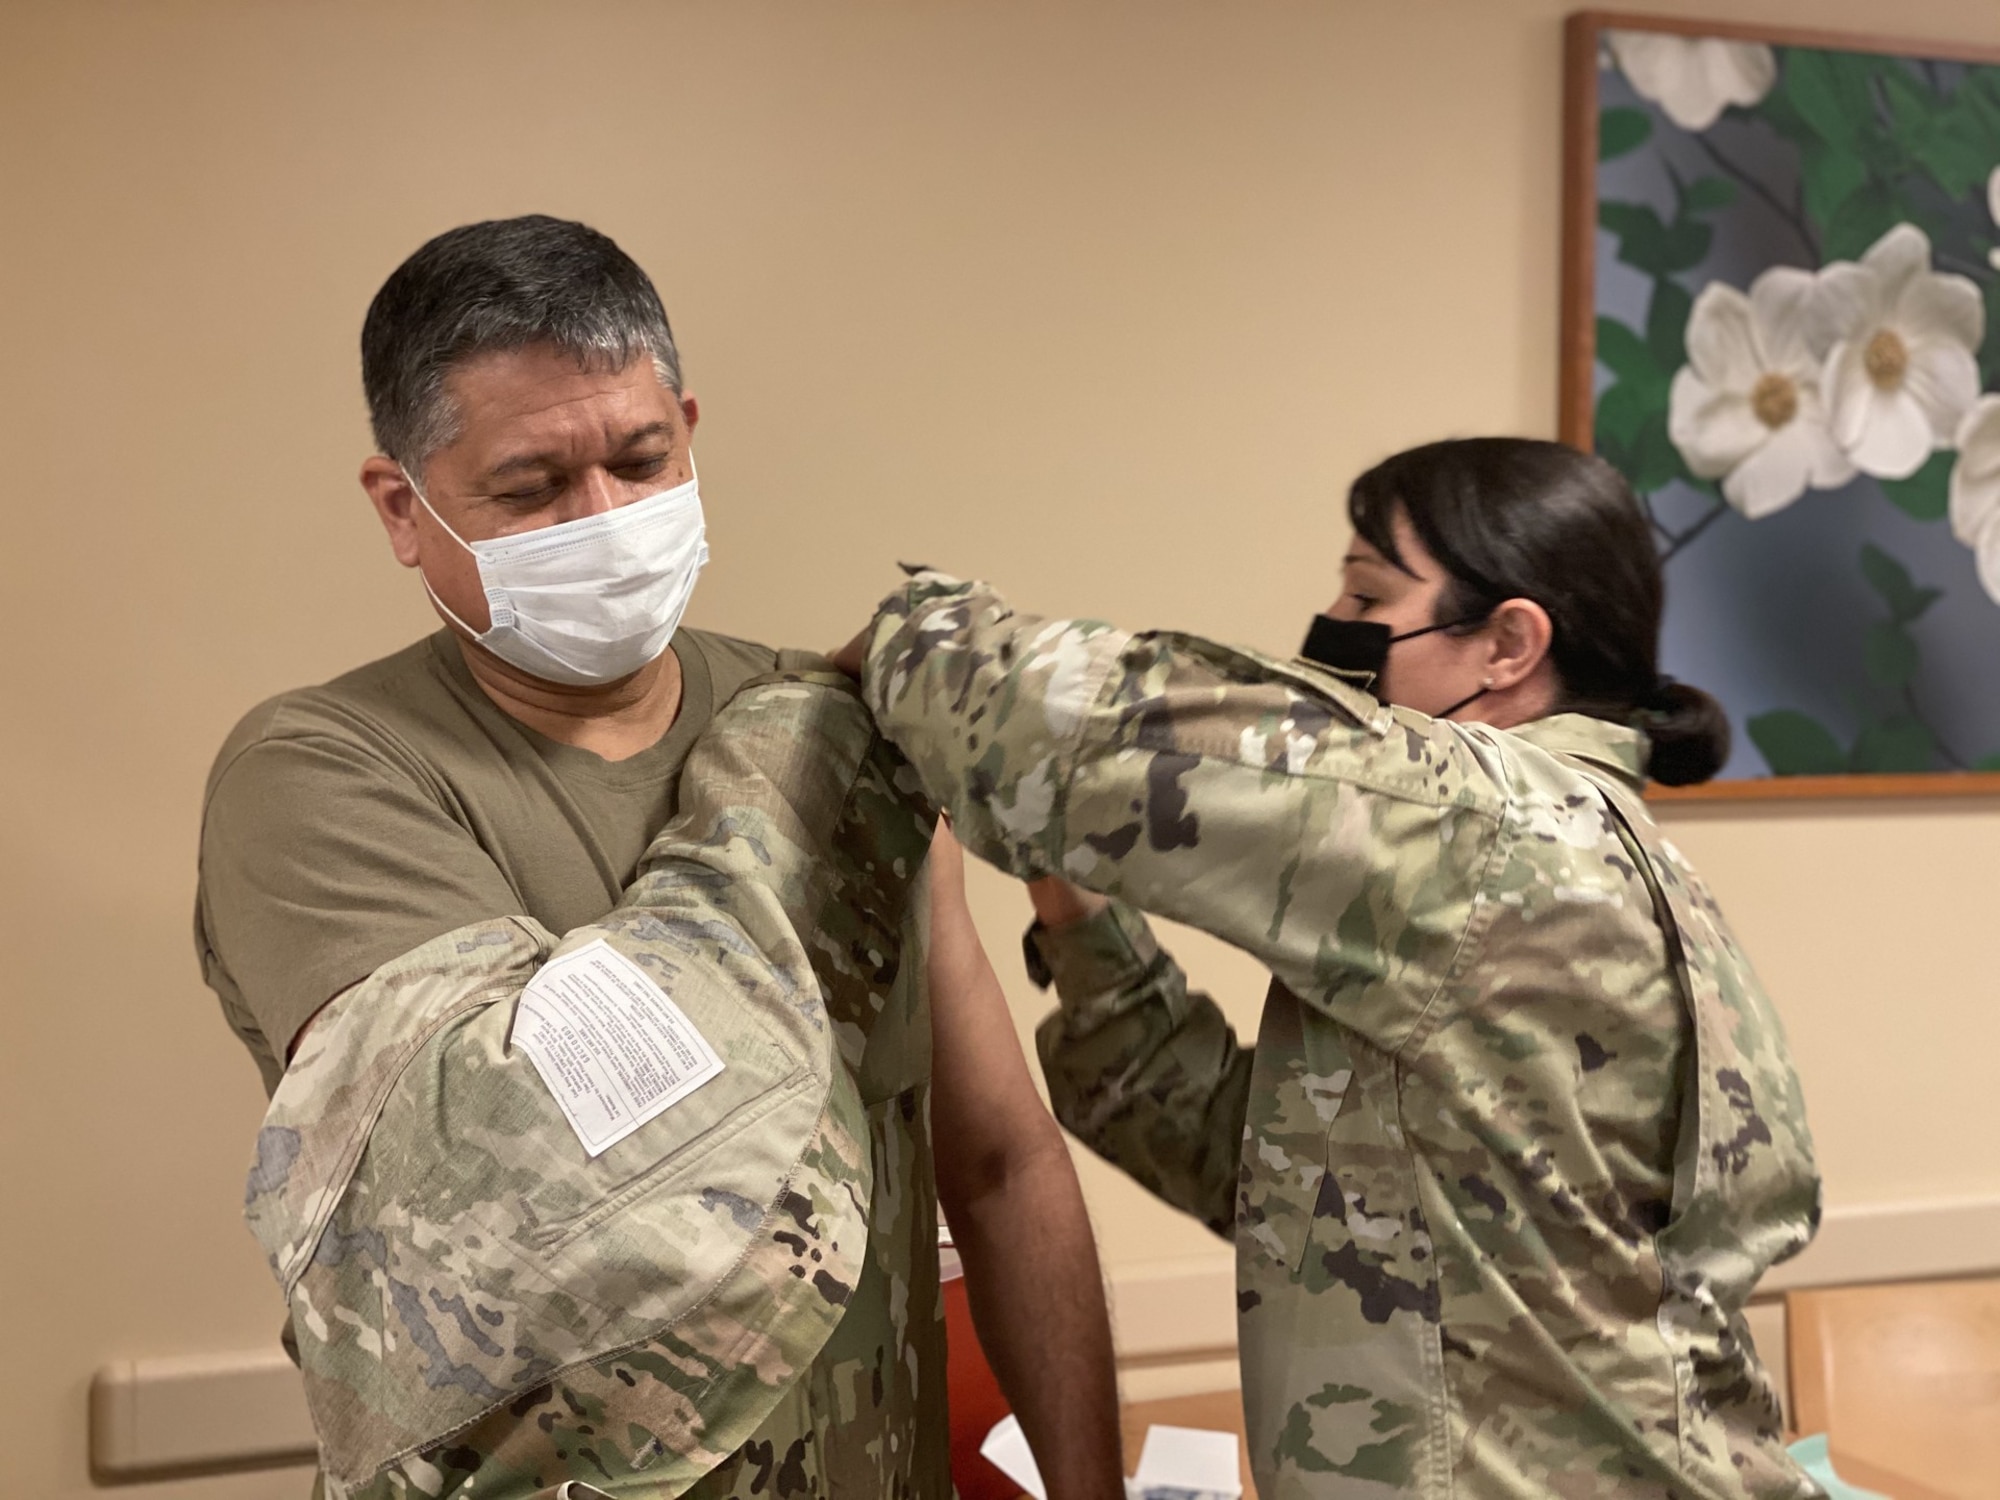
[[1103, 300]]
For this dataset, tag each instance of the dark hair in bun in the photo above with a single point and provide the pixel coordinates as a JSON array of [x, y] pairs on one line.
[[1519, 518]]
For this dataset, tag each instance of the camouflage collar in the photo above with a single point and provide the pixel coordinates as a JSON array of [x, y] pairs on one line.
[[1610, 747]]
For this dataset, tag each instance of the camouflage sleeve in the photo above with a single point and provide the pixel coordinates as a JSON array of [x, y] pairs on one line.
[[454, 1259], [1337, 841], [1144, 1072]]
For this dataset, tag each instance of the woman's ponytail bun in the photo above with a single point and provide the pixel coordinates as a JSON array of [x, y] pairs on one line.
[[1689, 731]]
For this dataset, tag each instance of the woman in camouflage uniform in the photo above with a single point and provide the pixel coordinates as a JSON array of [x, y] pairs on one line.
[[1520, 1132]]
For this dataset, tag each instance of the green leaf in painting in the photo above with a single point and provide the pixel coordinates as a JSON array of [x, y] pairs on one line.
[[1687, 245], [1830, 176], [1706, 194], [1898, 743], [1988, 762], [1913, 121], [1627, 219], [1889, 655], [1624, 353], [1885, 575], [1796, 744], [1892, 581], [1638, 228], [1955, 157], [1620, 131], [1621, 412], [1666, 324], [1863, 219], [1946, 136], [1656, 462], [1830, 92], [1783, 116], [1648, 245], [1926, 494], [1912, 107], [1977, 105]]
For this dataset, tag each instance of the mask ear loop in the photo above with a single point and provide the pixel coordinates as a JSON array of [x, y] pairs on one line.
[[1484, 688], [1411, 635], [424, 501], [495, 608]]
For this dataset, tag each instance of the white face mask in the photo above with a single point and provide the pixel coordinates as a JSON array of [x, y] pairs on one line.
[[592, 600]]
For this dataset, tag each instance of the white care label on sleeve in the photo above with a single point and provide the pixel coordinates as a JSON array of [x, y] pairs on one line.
[[610, 1044]]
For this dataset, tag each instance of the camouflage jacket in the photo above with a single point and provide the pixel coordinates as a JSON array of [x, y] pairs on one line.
[[738, 1298], [1519, 1133]]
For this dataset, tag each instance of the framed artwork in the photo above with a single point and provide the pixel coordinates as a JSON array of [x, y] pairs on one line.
[[1781, 311]]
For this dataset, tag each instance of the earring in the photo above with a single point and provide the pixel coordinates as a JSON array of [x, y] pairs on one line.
[[1488, 684]]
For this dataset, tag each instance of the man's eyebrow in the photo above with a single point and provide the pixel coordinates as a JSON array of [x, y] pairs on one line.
[[639, 435], [521, 461]]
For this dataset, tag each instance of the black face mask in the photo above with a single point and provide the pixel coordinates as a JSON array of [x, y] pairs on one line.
[[1362, 646]]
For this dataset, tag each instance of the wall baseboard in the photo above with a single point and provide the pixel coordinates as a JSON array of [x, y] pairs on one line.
[[1176, 1309], [198, 1414], [1915, 1241]]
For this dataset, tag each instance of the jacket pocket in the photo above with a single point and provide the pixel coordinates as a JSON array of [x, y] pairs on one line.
[[500, 1151]]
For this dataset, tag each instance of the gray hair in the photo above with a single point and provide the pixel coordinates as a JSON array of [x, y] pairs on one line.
[[502, 284]]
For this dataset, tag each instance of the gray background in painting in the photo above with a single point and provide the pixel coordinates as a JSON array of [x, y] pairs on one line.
[[1771, 614]]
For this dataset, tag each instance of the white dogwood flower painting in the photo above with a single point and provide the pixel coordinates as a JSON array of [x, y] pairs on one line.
[[1975, 491], [1693, 79], [1746, 408], [1783, 262], [1902, 371], [1993, 207]]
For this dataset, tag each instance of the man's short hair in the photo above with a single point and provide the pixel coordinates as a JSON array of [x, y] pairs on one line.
[[501, 284]]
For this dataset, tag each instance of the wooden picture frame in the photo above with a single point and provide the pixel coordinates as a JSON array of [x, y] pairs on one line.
[[1682, 422]]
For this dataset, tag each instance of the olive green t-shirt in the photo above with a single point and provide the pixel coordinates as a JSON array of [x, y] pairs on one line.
[[348, 823]]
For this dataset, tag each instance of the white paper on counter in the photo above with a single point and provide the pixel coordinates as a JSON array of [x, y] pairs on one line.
[[1006, 1448], [1187, 1460]]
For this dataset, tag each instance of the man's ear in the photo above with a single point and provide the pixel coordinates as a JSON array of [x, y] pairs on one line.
[[1521, 632], [394, 502], [690, 410]]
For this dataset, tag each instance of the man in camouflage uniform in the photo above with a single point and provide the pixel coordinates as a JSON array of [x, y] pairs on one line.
[[739, 1296], [1495, 1231]]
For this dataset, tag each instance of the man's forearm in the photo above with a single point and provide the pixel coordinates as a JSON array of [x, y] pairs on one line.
[[1009, 1190], [1037, 1300]]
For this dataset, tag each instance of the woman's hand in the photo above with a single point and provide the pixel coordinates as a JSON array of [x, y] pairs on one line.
[[1059, 904], [849, 658]]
